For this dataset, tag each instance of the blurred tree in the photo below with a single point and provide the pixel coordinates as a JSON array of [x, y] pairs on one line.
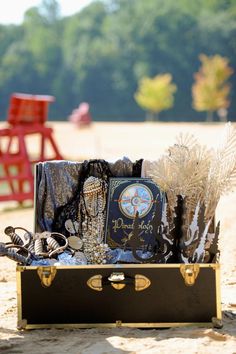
[[50, 10], [155, 94], [210, 90]]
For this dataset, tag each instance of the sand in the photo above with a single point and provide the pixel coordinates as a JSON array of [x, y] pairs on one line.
[[111, 141]]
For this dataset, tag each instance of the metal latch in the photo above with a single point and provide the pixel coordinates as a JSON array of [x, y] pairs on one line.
[[189, 273], [115, 279], [118, 281], [46, 275]]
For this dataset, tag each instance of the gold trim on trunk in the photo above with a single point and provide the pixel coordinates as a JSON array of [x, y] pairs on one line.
[[19, 298], [119, 324], [121, 266]]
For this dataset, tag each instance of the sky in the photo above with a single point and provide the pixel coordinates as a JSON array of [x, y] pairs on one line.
[[12, 11]]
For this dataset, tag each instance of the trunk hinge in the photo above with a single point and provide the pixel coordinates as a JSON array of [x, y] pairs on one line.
[[46, 275], [189, 273]]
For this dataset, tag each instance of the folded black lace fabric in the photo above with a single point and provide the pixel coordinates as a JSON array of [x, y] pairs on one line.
[[58, 186]]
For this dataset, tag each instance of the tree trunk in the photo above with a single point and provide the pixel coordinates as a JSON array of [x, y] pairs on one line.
[[151, 116], [210, 116]]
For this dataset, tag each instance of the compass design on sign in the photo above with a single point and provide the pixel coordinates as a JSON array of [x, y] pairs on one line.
[[129, 198], [135, 198]]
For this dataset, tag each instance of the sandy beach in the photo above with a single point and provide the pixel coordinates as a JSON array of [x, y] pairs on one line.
[[111, 141]]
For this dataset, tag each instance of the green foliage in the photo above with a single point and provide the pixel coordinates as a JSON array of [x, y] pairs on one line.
[[156, 94], [211, 90], [99, 54]]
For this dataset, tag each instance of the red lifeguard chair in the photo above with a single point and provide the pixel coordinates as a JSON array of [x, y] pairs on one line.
[[27, 115]]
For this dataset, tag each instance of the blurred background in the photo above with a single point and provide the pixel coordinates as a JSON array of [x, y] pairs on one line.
[[131, 60]]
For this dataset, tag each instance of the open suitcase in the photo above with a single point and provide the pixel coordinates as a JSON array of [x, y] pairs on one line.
[[114, 295]]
